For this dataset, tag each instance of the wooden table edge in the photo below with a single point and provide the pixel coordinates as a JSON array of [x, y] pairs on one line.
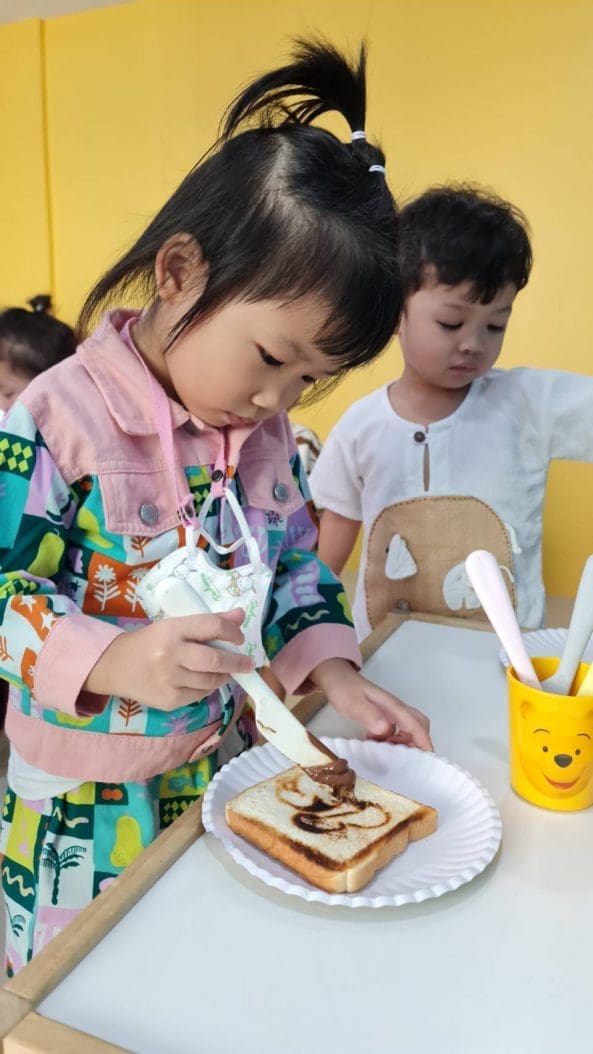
[[40, 1035], [13, 1008]]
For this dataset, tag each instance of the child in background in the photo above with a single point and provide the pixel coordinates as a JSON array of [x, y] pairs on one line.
[[30, 342], [453, 455], [272, 267]]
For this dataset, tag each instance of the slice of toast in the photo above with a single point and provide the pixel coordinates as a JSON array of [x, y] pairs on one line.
[[335, 843]]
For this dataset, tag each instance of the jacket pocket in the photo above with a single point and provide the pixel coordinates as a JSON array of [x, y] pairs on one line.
[[138, 502]]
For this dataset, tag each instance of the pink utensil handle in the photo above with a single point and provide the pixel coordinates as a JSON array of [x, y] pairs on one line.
[[489, 585]]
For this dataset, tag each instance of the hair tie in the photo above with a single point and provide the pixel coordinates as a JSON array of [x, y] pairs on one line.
[[359, 134]]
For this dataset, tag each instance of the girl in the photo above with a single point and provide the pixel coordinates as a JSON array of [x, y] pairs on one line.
[[30, 342], [270, 270]]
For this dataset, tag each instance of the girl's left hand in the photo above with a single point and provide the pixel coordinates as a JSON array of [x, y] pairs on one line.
[[383, 715]]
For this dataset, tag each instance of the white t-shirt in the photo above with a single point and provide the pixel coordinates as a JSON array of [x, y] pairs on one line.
[[496, 447]]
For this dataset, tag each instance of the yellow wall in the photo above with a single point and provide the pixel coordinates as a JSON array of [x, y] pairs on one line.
[[498, 91], [24, 223]]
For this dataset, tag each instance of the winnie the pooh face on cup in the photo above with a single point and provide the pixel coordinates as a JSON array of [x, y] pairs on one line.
[[556, 749]]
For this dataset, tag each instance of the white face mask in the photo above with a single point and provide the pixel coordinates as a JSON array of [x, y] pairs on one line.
[[221, 590]]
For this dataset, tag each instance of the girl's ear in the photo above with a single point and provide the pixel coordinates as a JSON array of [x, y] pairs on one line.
[[401, 328], [179, 268]]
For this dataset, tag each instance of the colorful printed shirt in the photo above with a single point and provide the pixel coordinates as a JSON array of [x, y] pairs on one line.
[[86, 507]]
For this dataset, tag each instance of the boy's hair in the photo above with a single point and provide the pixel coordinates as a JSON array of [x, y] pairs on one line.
[[32, 341], [282, 209], [468, 235]]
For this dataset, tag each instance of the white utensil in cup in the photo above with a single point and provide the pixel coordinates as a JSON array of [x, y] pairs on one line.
[[579, 632], [587, 685], [489, 585]]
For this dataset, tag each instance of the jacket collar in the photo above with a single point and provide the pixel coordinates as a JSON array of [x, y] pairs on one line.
[[111, 359]]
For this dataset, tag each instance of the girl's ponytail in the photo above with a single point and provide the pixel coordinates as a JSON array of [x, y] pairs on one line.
[[319, 80]]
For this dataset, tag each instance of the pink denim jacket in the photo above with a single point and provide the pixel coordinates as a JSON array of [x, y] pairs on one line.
[[84, 468]]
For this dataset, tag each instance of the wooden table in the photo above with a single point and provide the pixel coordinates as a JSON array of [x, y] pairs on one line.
[[186, 952]]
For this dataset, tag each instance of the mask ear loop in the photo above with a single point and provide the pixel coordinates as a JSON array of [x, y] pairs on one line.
[[247, 538]]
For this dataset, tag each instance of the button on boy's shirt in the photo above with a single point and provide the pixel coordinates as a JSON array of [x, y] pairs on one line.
[[496, 447]]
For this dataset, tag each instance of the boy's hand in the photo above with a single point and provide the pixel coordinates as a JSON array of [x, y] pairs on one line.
[[170, 663], [383, 715]]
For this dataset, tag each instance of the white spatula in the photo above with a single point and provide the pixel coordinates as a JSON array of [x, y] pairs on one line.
[[489, 586], [274, 720], [579, 632]]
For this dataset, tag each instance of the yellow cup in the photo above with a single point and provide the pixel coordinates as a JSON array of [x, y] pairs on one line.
[[551, 742]]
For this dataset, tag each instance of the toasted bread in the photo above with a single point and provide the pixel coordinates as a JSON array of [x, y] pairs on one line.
[[335, 843]]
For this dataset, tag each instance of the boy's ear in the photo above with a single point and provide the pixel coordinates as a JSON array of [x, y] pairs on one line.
[[180, 266]]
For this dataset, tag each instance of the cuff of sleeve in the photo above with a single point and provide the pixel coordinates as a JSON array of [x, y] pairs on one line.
[[74, 645], [304, 652], [330, 503]]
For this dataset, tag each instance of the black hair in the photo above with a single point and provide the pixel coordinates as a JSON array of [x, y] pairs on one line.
[[468, 235], [41, 302], [281, 208], [32, 341]]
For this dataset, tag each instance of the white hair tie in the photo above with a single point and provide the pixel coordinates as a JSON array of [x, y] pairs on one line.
[[360, 135]]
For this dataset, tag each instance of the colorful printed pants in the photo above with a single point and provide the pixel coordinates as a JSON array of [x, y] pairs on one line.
[[59, 853]]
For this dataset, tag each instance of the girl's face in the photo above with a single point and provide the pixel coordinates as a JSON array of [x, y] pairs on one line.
[[11, 385], [244, 363], [447, 339]]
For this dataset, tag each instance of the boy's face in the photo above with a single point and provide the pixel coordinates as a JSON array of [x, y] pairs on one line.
[[447, 339], [11, 385]]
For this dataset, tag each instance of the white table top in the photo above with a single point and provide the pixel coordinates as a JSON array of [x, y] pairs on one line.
[[213, 960]]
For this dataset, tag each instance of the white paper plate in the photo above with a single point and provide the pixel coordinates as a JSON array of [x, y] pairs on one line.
[[543, 642], [467, 838]]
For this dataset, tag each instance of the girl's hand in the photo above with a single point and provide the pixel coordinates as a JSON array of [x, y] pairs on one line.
[[171, 663], [383, 715]]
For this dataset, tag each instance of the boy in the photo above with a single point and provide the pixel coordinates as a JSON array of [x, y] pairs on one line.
[[453, 455]]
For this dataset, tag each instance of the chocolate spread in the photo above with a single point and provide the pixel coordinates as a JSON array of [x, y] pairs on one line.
[[336, 774], [321, 818]]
